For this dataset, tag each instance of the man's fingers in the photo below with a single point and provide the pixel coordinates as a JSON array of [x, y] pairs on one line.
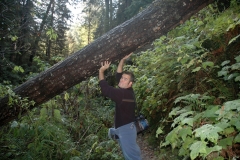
[[105, 63]]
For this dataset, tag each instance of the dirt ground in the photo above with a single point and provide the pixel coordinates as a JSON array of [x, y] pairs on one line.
[[147, 151]]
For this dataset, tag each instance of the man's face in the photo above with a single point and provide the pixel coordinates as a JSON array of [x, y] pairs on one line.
[[125, 81]]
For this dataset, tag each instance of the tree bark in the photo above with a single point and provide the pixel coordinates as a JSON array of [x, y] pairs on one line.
[[159, 18]]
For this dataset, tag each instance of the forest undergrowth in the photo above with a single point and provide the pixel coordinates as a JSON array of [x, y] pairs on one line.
[[187, 85]]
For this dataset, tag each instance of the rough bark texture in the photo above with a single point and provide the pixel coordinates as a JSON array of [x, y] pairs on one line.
[[159, 18]]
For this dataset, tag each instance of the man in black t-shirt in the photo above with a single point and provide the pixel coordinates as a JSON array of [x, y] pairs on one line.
[[123, 96]]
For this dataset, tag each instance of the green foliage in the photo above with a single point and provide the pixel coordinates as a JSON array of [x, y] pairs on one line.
[[230, 72], [51, 34], [75, 130], [18, 69], [200, 138], [16, 100], [42, 139], [178, 78]]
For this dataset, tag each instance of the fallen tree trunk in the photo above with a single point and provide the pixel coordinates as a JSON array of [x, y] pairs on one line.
[[159, 18]]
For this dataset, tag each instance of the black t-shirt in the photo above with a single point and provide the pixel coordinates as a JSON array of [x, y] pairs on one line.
[[124, 99]]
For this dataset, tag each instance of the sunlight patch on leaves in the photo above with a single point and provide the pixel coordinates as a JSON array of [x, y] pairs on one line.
[[188, 121], [181, 118], [208, 132], [232, 105]]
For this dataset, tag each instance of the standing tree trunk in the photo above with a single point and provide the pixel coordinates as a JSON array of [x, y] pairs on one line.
[[110, 14], [159, 18], [106, 22], [35, 44], [49, 41]]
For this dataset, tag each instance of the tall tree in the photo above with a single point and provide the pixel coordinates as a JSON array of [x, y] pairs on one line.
[[16, 31], [106, 26], [34, 46], [153, 22], [93, 11], [49, 41]]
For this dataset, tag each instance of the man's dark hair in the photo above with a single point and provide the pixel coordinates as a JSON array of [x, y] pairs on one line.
[[132, 78]]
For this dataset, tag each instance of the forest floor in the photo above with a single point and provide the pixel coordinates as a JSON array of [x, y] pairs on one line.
[[147, 151]]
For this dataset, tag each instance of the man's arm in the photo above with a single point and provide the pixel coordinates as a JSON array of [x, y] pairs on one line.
[[121, 63], [104, 66]]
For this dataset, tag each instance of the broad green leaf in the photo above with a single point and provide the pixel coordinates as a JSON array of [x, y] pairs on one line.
[[183, 152], [222, 73], [188, 121], [235, 122], [18, 69], [184, 110], [237, 79], [196, 69], [199, 23], [14, 38], [172, 137], [183, 60], [43, 113], [159, 131], [57, 114], [228, 131], [211, 111], [212, 149], [192, 62], [207, 64], [188, 141], [237, 58], [184, 132], [237, 138], [226, 142], [231, 76], [222, 125], [181, 117], [225, 62], [208, 132], [235, 66], [232, 105], [197, 148], [66, 96]]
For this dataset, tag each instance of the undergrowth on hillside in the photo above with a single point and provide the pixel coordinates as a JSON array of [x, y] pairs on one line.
[[188, 86]]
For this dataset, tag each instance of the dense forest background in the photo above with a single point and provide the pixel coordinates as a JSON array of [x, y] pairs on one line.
[[187, 82]]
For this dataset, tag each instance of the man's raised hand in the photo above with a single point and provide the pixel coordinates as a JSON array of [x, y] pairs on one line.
[[104, 66]]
